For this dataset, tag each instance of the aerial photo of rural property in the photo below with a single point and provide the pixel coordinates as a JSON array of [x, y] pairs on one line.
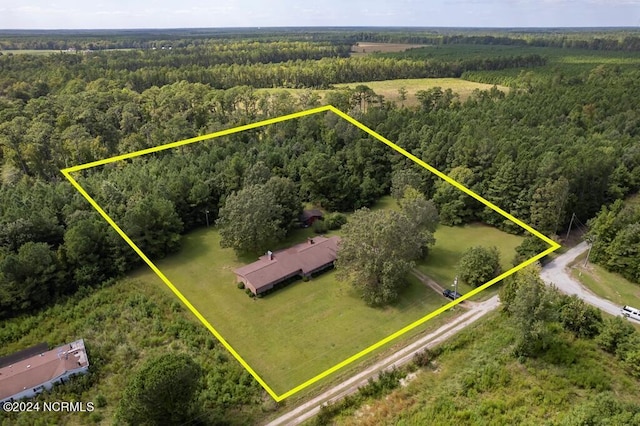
[[345, 213]]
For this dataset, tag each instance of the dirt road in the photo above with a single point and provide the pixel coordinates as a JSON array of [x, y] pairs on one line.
[[556, 272]]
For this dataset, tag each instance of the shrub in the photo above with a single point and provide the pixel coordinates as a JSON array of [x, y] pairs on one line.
[[424, 357], [615, 332], [249, 292], [579, 318], [241, 285], [305, 278], [478, 265], [319, 227], [632, 362], [335, 220], [95, 417], [101, 401]]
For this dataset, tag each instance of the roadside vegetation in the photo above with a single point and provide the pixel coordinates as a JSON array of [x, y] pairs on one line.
[[554, 358]]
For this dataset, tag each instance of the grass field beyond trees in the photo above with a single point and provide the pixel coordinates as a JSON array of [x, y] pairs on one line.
[[389, 88]]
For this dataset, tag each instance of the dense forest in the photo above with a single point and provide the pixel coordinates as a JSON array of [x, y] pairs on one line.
[[551, 147], [602, 39], [541, 152]]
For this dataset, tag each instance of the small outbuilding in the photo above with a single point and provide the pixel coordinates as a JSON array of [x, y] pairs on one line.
[[316, 255], [309, 216]]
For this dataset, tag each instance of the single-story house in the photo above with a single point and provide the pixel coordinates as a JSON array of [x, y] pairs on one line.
[[309, 216], [302, 260], [26, 373]]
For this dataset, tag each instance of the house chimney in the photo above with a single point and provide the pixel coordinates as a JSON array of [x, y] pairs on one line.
[[269, 255]]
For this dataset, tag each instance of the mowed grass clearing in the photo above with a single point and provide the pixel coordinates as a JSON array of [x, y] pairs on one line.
[[296, 332], [451, 241], [606, 284]]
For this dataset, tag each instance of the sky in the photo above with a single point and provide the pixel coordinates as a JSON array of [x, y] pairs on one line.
[[117, 14]]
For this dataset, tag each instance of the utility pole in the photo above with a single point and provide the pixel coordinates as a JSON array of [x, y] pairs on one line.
[[455, 285], [570, 224], [586, 259]]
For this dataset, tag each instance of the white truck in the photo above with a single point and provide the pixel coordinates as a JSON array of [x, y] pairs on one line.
[[630, 312]]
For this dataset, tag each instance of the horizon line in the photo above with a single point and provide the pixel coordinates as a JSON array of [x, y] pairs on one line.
[[414, 27]]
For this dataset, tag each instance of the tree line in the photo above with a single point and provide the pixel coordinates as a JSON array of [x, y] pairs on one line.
[[24, 76], [615, 237], [607, 39]]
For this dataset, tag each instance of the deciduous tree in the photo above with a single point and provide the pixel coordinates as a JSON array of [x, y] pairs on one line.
[[162, 392], [377, 250], [422, 212], [251, 220], [478, 265], [533, 310]]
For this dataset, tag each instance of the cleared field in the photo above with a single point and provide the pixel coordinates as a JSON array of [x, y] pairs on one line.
[[363, 48], [389, 88], [31, 52], [451, 242], [295, 333], [606, 284]]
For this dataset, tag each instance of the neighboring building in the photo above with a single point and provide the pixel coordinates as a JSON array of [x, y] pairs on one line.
[[29, 372], [316, 255], [309, 216]]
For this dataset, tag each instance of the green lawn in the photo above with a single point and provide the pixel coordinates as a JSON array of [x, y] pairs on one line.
[[451, 242], [606, 284], [299, 331], [294, 333]]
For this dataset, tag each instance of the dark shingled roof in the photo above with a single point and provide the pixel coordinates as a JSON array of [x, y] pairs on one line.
[[308, 214]]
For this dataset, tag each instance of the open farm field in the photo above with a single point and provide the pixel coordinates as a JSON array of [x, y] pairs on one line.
[[572, 62], [389, 88], [31, 52], [555, 55], [366, 48]]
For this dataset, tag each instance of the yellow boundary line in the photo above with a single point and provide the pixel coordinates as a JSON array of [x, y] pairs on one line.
[[67, 173]]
